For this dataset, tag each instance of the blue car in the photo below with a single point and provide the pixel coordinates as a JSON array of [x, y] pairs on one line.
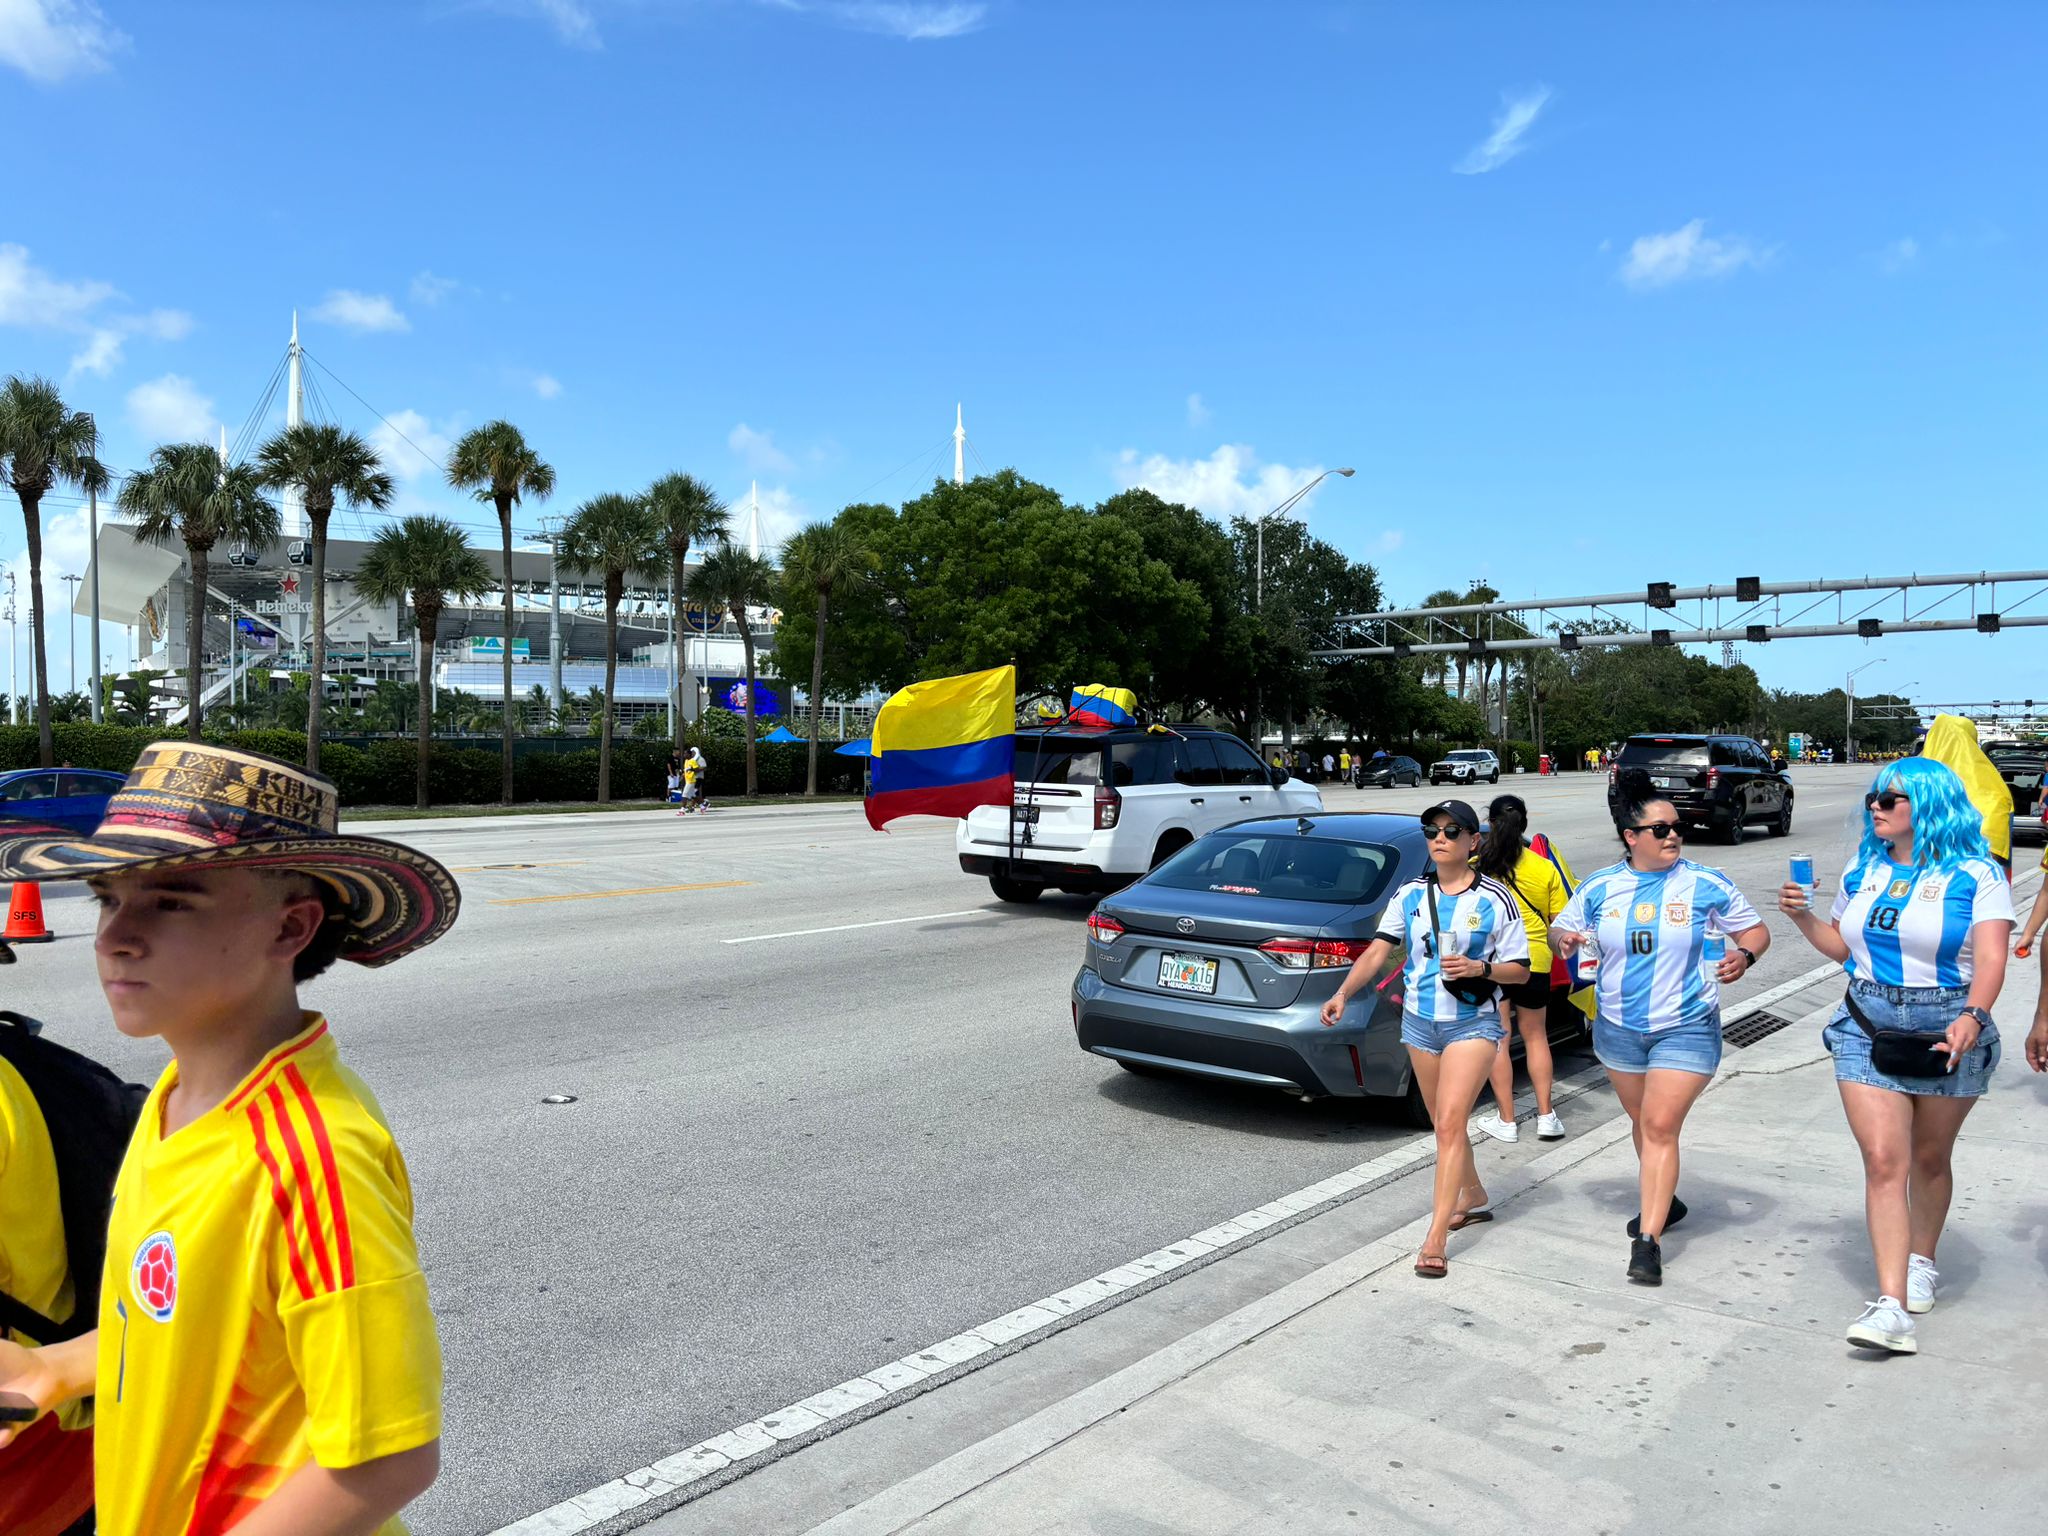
[[72, 798]]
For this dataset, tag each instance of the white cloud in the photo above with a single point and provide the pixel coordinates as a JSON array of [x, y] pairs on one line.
[[1198, 413], [1231, 482], [99, 354], [52, 40], [1899, 255], [758, 452], [102, 349], [546, 385], [573, 22], [32, 297], [65, 543], [1657, 261], [171, 410], [913, 21], [429, 289], [1391, 540], [361, 311], [411, 446], [1518, 113]]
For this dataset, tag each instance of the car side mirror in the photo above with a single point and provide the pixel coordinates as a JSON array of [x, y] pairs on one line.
[[1780, 763], [1278, 776]]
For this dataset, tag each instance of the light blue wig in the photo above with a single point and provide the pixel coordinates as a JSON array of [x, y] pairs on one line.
[[1947, 828]]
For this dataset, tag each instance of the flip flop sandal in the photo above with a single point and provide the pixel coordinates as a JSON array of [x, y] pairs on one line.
[[1473, 1217], [1432, 1266]]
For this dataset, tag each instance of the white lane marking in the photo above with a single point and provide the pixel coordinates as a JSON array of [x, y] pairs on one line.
[[880, 922], [694, 1463]]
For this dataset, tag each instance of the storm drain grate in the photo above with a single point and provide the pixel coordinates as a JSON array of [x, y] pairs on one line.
[[1755, 1027]]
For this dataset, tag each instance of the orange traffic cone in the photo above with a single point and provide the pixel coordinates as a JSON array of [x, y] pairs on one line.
[[25, 915]]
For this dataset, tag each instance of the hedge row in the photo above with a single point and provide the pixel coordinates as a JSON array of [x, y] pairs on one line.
[[382, 773]]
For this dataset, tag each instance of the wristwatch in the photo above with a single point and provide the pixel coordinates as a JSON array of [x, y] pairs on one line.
[[1748, 956], [1982, 1016], [1486, 969]]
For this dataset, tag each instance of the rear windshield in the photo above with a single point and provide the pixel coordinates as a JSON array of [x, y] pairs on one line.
[[1679, 754], [1051, 760], [1280, 866]]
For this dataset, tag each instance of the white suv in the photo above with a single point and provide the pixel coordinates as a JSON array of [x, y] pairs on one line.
[[1467, 767], [1095, 809]]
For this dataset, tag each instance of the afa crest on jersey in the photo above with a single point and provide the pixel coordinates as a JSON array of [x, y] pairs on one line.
[[153, 1277], [1932, 889], [1677, 913]]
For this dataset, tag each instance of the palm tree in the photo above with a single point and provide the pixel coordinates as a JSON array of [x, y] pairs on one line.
[[44, 443], [327, 461], [495, 462], [193, 496], [819, 559], [1439, 631], [424, 561], [616, 536], [688, 513], [733, 580]]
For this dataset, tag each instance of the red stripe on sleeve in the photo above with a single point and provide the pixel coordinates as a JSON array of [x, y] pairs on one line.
[[256, 1078], [282, 1201], [336, 1201], [315, 1239]]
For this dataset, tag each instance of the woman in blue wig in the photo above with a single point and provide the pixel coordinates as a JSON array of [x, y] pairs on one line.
[[1920, 924]]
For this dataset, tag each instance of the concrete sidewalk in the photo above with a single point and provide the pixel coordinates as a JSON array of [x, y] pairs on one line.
[[1536, 1390]]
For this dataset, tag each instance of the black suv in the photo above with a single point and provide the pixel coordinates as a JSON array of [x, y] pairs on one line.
[[1388, 773], [1726, 783]]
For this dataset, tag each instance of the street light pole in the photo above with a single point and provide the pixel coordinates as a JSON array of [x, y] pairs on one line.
[[1259, 597], [1849, 708], [92, 523], [71, 627]]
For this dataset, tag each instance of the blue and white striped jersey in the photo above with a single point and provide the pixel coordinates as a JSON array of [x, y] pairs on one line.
[[1910, 927], [1481, 922], [1652, 929]]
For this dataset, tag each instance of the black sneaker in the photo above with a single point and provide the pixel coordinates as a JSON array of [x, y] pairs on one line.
[[1672, 1218], [1645, 1262]]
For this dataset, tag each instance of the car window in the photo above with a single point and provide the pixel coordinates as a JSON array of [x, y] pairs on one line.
[[1198, 764], [1148, 760], [85, 784], [1237, 762], [30, 786], [1280, 866], [1722, 755], [1671, 754], [1055, 761], [1468, 757]]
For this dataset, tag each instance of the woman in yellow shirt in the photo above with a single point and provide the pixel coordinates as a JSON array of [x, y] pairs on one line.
[[1541, 890]]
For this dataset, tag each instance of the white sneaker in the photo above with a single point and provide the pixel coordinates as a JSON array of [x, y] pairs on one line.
[[1499, 1129], [1922, 1280], [1885, 1325], [1549, 1127]]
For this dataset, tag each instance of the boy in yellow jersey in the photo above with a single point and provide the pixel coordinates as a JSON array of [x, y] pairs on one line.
[[265, 1360]]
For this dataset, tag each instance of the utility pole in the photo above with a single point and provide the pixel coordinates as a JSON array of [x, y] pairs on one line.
[[92, 523], [1259, 592], [13, 660], [1849, 711], [71, 628]]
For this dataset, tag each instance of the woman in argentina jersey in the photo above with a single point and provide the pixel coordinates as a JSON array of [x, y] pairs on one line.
[[1458, 926], [1920, 924], [1650, 924]]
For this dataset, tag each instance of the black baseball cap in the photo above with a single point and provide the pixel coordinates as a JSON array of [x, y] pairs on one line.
[[1457, 810]]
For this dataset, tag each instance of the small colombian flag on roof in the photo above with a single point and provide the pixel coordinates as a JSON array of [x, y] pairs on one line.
[[1096, 704], [943, 747]]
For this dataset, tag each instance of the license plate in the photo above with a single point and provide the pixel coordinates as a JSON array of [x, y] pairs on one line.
[[1666, 783], [1028, 814], [1187, 973]]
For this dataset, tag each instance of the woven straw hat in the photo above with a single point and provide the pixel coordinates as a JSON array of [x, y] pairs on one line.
[[194, 805]]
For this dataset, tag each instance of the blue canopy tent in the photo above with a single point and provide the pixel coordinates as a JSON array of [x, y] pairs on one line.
[[862, 748], [782, 734]]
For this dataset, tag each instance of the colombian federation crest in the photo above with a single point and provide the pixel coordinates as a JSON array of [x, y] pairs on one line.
[[153, 1277]]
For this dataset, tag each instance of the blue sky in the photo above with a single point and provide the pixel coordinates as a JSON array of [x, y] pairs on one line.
[[1588, 294]]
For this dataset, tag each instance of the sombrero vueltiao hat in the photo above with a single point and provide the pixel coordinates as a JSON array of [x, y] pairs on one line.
[[199, 806]]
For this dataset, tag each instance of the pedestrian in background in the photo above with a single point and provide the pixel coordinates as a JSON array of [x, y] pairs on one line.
[[1541, 891], [1920, 923], [1464, 939], [1651, 925], [1344, 764]]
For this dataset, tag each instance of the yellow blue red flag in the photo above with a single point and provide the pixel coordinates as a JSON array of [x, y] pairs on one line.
[[1096, 704], [943, 747], [1953, 740]]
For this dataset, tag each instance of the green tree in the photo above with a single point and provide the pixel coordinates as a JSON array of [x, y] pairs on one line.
[[495, 463], [615, 536], [190, 495], [43, 444], [734, 580], [327, 462], [816, 562], [689, 516], [424, 561]]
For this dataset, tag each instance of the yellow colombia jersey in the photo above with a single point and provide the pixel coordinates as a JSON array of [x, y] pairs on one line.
[[1540, 893], [32, 1263], [263, 1304]]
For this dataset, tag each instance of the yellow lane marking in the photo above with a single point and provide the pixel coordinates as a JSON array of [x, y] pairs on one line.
[[645, 890], [477, 869]]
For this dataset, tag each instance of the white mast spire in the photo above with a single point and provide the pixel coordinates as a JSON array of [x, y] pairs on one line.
[[754, 518], [294, 499], [959, 445]]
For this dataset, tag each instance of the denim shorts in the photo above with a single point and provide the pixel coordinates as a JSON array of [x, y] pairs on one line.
[[1924, 1010], [1432, 1035], [1687, 1048]]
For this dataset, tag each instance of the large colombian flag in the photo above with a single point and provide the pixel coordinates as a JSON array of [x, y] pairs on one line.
[[1094, 704], [943, 747]]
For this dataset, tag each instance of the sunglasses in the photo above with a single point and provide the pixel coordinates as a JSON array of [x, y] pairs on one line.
[[1890, 800], [1659, 829], [1447, 831]]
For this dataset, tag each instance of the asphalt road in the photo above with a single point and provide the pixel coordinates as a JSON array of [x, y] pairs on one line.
[[793, 1158]]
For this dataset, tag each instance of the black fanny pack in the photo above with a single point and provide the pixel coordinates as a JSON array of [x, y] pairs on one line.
[[1474, 991], [1899, 1052]]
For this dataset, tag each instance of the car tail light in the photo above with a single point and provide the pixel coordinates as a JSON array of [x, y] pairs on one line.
[[1108, 803], [1357, 1067], [1614, 773], [1713, 777], [1312, 954], [1103, 928]]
